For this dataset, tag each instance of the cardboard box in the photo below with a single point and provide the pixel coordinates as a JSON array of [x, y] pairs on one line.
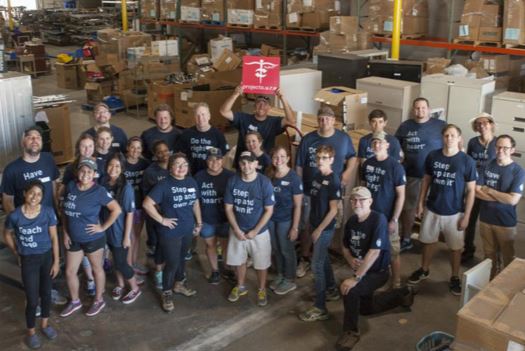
[[490, 16], [125, 81], [134, 55], [159, 92], [190, 14], [468, 32], [67, 75], [502, 81], [294, 19], [267, 50], [216, 46], [60, 125], [436, 65], [168, 9], [131, 99], [199, 63], [493, 319], [319, 19], [240, 16], [344, 24], [495, 63], [168, 47], [514, 22], [97, 91], [294, 6], [212, 10], [491, 34], [348, 104], [228, 61], [152, 68], [149, 9]]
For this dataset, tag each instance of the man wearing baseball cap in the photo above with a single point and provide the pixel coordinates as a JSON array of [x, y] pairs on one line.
[[366, 249], [248, 201], [268, 126], [482, 149]]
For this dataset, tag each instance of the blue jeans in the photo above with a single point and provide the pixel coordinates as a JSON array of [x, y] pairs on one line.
[[283, 249], [322, 269]]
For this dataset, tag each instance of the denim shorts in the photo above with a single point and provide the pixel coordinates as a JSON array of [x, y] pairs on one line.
[[210, 230]]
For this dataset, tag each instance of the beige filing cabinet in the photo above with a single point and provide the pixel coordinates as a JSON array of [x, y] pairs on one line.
[[392, 96], [461, 98], [508, 109]]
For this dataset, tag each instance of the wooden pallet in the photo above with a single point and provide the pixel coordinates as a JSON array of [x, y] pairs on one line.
[[213, 23], [305, 29], [495, 44], [235, 25], [515, 46], [189, 22], [403, 36], [269, 27]]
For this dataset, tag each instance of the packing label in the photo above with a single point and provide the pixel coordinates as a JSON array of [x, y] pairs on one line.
[[511, 34]]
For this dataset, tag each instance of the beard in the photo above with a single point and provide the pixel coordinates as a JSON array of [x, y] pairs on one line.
[[32, 152]]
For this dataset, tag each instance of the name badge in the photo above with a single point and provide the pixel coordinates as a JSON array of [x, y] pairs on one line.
[[285, 183], [115, 144], [326, 182], [191, 190], [355, 237], [45, 179]]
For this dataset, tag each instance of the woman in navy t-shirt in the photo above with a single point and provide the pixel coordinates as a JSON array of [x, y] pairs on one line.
[[254, 143], [84, 234], [104, 144], [284, 224], [118, 235], [178, 216], [31, 233], [135, 167]]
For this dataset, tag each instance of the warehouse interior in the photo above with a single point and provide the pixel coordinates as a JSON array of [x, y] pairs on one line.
[[59, 58]]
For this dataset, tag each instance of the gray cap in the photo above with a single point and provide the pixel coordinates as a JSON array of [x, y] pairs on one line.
[[247, 155], [88, 162]]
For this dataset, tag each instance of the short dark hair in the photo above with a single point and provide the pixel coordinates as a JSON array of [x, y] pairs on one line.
[[420, 99], [450, 126], [164, 107], [157, 143], [327, 149], [377, 114], [34, 183], [506, 136], [33, 128]]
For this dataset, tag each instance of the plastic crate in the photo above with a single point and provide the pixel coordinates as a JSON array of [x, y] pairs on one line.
[[435, 341]]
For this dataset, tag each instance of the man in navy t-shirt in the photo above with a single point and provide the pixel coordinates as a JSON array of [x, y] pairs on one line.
[[306, 167], [32, 165], [268, 126], [249, 201], [385, 178], [163, 130], [377, 119], [450, 183], [366, 249], [500, 187], [102, 116]]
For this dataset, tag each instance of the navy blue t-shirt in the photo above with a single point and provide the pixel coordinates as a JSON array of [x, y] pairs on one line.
[[134, 173], [264, 162], [269, 129], [417, 140], [19, 173], [151, 176], [32, 235], [69, 174], [195, 145], [115, 233], [323, 189], [365, 147], [175, 198], [82, 208], [480, 153], [120, 139], [150, 136], [449, 177], [284, 190], [506, 179], [382, 178], [371, 234], [340, 141], [212, 195], [249, 200]]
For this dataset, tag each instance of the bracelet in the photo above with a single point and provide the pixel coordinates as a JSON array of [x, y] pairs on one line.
[[198, 224], [296, 229]]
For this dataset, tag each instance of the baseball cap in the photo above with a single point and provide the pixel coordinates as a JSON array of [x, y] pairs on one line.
[[361, 192], [481, 115], [214, 152], [247, 155], [88, 162], [379, 136], [262, 97]]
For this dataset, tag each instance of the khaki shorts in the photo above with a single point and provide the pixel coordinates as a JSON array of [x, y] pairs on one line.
[[433, 224], [395, 242], [412, 189], [259, 249]]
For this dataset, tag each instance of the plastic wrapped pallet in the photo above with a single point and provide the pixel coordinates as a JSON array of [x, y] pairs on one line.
[[149, 9], [190, 10], [168, 9], [240, 12], [414, 17], [268, 14], [212, 11], [514, 22], [481, 21]]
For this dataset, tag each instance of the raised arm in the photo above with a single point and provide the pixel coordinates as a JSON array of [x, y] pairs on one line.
[[226, 108]]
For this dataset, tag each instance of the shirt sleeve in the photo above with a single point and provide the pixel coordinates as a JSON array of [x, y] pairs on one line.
[[518, 180], [238, 118], [301, 153], [8, 184], [399, 175], [472, 172], [347, 233], [223, 144], [350, 151], [334, 192], [428, 164], [361, 149], [268, 196], [52, 218], [156, 193], [277, 125], [395, 149], [104, 196], [128, 200], [380, 239], [9, 221], [481, 176], [297, 185], [56, 172], [228, 196]]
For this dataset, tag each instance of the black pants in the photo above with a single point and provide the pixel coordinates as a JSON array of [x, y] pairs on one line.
[[120, 260], [173, 251], [36, 278], [470, 232], [153, 239], [362, 300]]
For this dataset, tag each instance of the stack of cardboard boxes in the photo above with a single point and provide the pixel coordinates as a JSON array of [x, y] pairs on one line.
[[212, 11], [268, 14], [517, 74], [311, 14], [149, 9], [190, 10], [240, 12], [68, 75], [168, 9], [480, 21], [414, 20], [344, 36], [499, 67], [514, 22]]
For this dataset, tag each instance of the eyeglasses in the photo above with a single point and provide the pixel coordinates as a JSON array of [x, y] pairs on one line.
[[504, 148], [180, 165], [324, 158]]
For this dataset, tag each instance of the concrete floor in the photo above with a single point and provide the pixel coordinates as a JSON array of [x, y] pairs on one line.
[[208, 321]]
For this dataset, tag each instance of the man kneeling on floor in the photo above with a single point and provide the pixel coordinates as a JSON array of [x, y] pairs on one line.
[[366, 248]]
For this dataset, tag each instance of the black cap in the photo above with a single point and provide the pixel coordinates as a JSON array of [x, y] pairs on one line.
[[262, 97], [247, 155], [214, 152]]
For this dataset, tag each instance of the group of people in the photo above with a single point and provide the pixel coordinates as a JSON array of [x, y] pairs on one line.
[[176, 183]]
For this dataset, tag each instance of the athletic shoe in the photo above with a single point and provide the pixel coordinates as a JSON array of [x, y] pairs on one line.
[[406, 244], [38, 311], [418, 276], [117, 293], [455, 286], [50, 332], [347, 341], [158, 280], [70, 308], [236, 293], [262, 300], [313, 314], [182, 289], [332, 294], [95, 308], [188, 255], [229, 275], [276, 282], [215, 278], [131, 297], [140, 269], [57, 299], [302, 268], [33, 341], [285, 287], [167, 301], [91, 288]]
